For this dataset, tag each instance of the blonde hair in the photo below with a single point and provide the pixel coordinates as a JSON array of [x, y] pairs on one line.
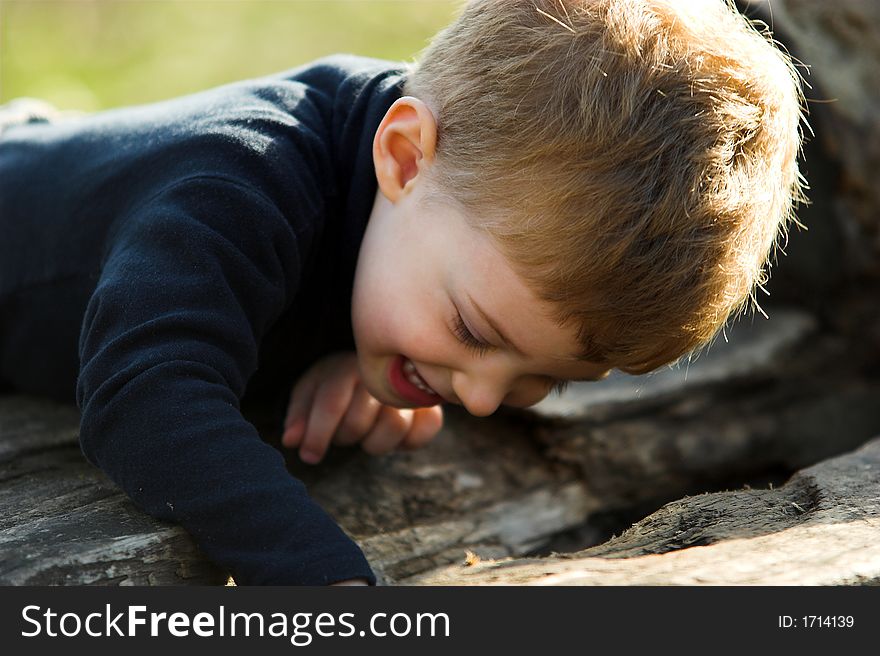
[[635, 160]]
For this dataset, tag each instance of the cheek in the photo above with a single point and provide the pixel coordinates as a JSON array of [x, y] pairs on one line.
[[398, 307], [378, 314], [370, 323], [526, 393], [368, 302], [410, 331]]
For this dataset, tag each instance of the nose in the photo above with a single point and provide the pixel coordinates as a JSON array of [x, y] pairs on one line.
[[480, 394]]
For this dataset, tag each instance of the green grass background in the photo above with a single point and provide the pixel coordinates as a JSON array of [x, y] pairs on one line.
[[95, 54]]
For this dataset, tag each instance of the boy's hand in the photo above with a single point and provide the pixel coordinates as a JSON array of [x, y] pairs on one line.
[[329, 404]]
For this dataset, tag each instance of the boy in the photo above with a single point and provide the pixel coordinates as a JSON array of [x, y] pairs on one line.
[[558, 189]]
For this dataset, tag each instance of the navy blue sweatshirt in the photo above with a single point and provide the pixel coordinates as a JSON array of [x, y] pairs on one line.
[[159, 263]]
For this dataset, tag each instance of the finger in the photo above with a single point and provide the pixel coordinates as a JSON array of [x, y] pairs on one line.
[[301, 399], [359, 419], [330, 404], [427, 422], [391, 426]]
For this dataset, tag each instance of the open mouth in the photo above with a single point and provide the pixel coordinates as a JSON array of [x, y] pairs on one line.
[[409, 370], [409, 385]]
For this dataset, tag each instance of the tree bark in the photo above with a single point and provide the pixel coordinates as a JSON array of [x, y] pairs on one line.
[[820, 528]]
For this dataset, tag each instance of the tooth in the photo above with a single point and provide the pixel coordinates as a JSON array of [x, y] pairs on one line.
[[409, 369]]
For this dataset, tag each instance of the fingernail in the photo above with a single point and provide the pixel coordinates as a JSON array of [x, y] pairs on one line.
[[296, 422], [310, 457], [293, 433]]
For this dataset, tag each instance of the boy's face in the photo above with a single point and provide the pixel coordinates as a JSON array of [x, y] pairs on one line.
[[418, 271]]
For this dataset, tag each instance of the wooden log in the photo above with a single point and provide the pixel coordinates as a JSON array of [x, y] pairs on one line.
[[779, 396], [820, 528], [62, 522], [502, 486]]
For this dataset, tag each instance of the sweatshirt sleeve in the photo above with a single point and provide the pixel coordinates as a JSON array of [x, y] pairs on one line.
[[170, 337]]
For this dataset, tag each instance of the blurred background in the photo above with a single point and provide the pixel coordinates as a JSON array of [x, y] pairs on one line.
[[96, 54]]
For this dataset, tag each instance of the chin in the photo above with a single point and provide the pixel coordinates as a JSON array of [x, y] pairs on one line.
[[386, 398], [377, 391]]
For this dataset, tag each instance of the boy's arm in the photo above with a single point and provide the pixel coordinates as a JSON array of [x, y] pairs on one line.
[[169, 340]]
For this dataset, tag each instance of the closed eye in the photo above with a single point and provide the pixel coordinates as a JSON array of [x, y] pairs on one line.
[[467, 338], [558, 386]]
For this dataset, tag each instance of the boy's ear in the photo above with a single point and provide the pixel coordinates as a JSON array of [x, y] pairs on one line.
[[403, 146]]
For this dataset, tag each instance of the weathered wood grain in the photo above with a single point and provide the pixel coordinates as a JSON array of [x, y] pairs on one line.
[[821, 528], [62, 522]]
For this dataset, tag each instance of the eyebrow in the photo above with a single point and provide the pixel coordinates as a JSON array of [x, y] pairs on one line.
[[494, 327]]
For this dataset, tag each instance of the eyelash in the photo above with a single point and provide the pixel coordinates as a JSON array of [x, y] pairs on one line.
[[466, 337]]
